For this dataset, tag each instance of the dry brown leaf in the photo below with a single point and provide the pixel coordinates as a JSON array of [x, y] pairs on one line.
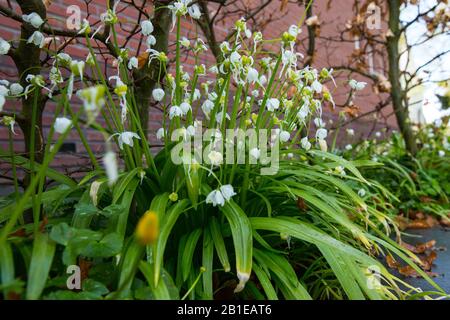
[[391, 262]]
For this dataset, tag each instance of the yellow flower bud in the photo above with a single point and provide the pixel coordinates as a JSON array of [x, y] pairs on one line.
[[173, 196], [147, 229]]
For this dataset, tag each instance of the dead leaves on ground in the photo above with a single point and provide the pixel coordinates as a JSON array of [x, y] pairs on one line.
[[426, 252]]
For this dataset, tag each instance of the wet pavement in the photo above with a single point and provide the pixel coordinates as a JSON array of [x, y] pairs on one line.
[[441, 265]]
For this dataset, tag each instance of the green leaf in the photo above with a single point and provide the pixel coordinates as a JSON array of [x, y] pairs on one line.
[[6, 267], [109, 246], [241, 231], [41, 261], [188, 254], [207, 262], [216, 234]]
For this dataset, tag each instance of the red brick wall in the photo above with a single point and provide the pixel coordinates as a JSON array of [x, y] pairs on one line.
[[336, 54]]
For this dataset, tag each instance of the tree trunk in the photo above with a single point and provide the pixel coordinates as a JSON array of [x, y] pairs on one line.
[[397, 92], [27, 60], [149, 75]]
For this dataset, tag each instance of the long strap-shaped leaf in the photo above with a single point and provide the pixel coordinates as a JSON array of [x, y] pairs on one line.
[[241, 231], [166, 227], [41, 261], [6, 266]]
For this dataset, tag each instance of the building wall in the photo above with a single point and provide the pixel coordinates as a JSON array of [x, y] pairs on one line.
[[333, 19]]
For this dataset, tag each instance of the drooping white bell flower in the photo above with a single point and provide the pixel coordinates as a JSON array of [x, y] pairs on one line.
[[133, 63], [348, 147], [305, 143], [175, 111], [215, 157], [2, 102], [160, 133], [62, 124], [378, 134], [350, 132], [255, 153], [16, 89], [34, 19], [194, 11], [321, 133], [284, 136], [4, 46], [147, 27], [317, 86], [273, 104], [252, 75], [441, 153], [185, 107], [319, 123], [227, 191], [111, 167], [235, 58], [3, 90], [215, 198], [219, 117], [126, 137], [294, 30], [361, 192], [151, 41], [158, 94], [358, 86], [207, 106], [37, 38]]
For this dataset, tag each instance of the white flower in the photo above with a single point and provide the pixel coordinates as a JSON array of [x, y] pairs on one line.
[[350, 132], [2, 102], [355, 85], [9, 121], [151, 41], [235, 57], [216, 198], [317, 86], [319, 122], [37, 38], [3, 91], [305, 143], [225, 47], [215, 157], [348, 147], [34, 19], [127, 138], [196, 95], [294, 30], [361, 192], [377, 134], [321, 133], [133, 63], [207, 106], [175, 111], [4, 46], [185, 107], [227, 191], [252, 75], [284, 136], [158, 94], [160, 133], [219, 117], [255, 153], [303, 112], [111, 167], [194, 11], [15, 89], [441, 153], [340, 170], [62, 124], [273, 104], [262, 80], [147, 27], [185, 42]]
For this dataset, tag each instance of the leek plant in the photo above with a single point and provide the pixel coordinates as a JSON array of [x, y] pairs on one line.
[[285, 221]]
